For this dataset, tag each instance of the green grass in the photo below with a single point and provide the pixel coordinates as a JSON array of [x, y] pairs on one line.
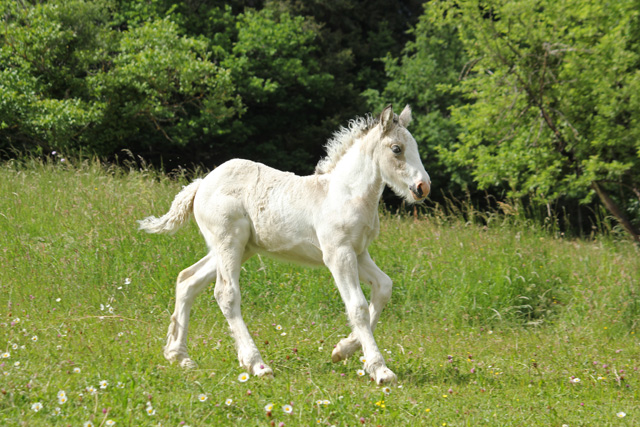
[[486, 326]]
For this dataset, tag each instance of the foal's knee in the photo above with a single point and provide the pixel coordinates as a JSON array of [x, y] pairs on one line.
[[359, 313], [227, 297]]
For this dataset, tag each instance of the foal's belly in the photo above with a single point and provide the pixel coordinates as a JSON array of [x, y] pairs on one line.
[[299, 252]]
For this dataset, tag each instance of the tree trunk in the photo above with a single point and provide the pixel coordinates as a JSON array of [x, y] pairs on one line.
[[615, 211]]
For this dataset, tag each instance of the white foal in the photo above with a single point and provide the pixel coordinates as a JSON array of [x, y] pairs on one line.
[[329, 218]]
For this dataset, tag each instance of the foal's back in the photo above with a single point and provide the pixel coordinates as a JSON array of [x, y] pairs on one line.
[[277, 211]]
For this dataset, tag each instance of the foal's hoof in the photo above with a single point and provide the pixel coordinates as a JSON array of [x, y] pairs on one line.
[[187, 363], [262, 371], [336, 355], [345, 349], [184, 361], [384, 376]]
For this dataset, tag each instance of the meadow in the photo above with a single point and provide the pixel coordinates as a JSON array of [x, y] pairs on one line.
[[495, 323]]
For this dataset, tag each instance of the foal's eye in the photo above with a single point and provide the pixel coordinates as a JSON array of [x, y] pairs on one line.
[[396, 149]]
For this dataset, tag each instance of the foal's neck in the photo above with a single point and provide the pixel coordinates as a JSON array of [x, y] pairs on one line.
[[357, 175]]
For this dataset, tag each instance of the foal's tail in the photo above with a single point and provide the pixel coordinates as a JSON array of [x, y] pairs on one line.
[[178, 214]]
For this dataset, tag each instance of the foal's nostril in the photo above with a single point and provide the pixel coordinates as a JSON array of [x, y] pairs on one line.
[[423, 189]]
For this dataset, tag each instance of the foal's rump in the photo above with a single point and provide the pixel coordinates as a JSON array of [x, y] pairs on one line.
[[278, 208]]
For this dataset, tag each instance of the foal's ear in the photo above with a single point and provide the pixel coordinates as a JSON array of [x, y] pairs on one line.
[[386, 118], [405, 116]]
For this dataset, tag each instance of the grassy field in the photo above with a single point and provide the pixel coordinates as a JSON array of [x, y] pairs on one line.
[[494, 325]]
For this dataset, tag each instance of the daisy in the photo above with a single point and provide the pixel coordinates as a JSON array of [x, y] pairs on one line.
[[150, 410], [62, 393], [14, 346], [228, 402], [37, 406], [62, 399], [360, 372], [621, 414], [202, 397], [268, 407], [56, 412], [326, 402], [243, 377], [362, 359], [6, 355], [34, 338], [110, 423], [91, 390], [279, 327], [87, 424], [318, 402], [575, 380], [386, 390], [120, 384], [103, 384], [287, 409], [127, 281], [76, 370]]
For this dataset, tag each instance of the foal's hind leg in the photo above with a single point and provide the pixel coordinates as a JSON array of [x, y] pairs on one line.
[[227, 293], [381, 286], [191, 282]]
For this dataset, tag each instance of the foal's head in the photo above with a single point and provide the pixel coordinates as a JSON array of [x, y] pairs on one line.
[[398, 157]]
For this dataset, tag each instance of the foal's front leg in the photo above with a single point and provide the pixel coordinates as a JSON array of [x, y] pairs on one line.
[[343, 264], [381, 286]]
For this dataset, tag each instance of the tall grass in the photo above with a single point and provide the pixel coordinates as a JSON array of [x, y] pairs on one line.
[[487, 324]]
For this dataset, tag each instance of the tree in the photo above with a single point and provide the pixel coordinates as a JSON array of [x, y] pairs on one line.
[[71, 81], [191, 81], [284, 87], [554, 99]]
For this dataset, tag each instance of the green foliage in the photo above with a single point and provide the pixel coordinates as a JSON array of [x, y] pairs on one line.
[[189, 82], [162, 82], [553, 92], [97, 295], [71, 82], [43, 52], [274, 62]]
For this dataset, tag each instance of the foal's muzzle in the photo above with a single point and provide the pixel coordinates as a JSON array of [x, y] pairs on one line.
[[420, 190]]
